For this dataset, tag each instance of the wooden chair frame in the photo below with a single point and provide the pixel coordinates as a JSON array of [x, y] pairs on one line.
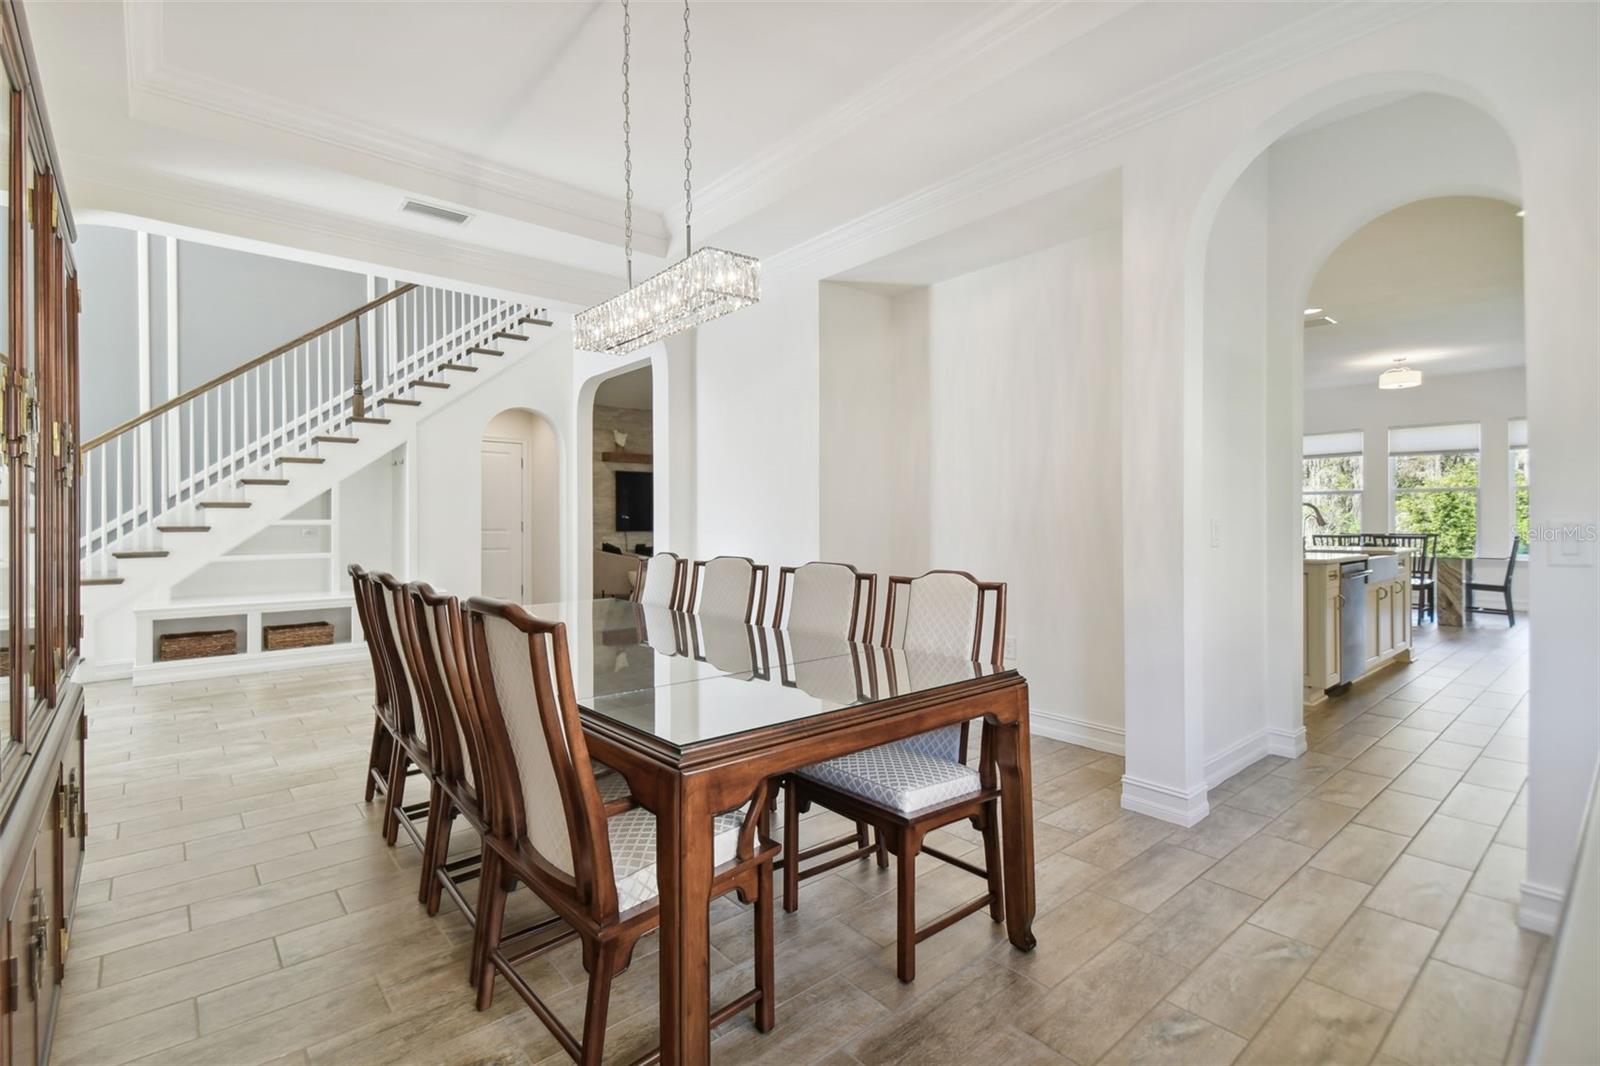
[[901, 833], [755, 608], [679, 567], [409, 754], [859, 621], [585, 901], [1504, 588], [378, 756]]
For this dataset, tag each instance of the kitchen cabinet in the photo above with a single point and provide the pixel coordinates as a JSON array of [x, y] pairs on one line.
[[1333, 658]]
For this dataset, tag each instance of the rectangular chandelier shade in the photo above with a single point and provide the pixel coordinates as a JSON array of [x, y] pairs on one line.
[[706, 285]]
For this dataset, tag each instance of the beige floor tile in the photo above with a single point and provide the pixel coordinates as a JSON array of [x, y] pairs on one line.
[[1088, 1013], [1124, 839], [1426, 717], [1397, 812], [1088, 814], [1383, 762], [1191, 924], [1154, 877], [1056, 879], [1434, 782], [1270, 795], [1171, 1036], [281, 1031], [952, 1020], [1311, 906], [1245, 979], [101, 1006], [1311, 768], [1359, 852], [1497, 773], [1312, 822], [126, 1040], [1073, 786], [1419, 890], [1500, 874], [1259, 865], [1505, 746], [1375, 957], [105, 939], [1352, 788], [1405, 738], [1475, 803], [1450, 756], [1224, 829], [1453, 1017], [1076, 932], [1483, 936], [186, 947], [1317, 1024], [1453, 841]]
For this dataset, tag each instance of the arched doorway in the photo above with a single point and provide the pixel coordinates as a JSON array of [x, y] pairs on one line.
[[521, 515]]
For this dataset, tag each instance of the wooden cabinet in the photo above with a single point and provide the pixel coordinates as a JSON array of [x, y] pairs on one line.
[[42, 724]]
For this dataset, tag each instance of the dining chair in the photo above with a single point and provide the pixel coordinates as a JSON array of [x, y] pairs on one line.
[[908, 788], [726, 587], [826, 599], [378, 756], [409, 754], [1503, 587], [660, 580], [591, 862]]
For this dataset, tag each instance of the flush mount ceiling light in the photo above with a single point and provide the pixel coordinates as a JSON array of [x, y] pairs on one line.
[[705, 284], [1313, 311], [1400, 376]]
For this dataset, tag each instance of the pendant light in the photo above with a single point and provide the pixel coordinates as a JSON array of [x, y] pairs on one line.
[[1400, 376], [705, 284]]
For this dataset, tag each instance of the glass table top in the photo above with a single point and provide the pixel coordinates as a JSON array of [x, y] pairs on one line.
[[686, 680]]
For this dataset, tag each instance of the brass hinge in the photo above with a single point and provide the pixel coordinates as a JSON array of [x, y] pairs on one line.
[[11, 990], [65, 939], [61, 806]]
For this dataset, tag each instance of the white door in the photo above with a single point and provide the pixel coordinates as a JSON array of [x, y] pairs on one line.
[[503, 536]]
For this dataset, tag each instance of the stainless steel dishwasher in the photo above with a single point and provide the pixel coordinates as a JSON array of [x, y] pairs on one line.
[[1353, 580]]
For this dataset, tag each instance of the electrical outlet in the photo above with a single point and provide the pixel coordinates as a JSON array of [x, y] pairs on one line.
[[1216, 532], [1010, 650]]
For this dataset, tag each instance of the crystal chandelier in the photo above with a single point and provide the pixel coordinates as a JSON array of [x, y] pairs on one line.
[[703, 285]]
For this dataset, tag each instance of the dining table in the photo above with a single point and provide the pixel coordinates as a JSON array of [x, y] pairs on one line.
[[696, 712]]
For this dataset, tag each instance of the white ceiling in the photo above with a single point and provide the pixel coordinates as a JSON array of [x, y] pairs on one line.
[[309, 123], [632, 389], [1438, 281]]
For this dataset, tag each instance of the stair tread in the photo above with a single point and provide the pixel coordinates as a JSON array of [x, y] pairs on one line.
[[370, 420], [480, 350], [141, 553], [224, 503], [511, 336], [424, 383], [532, 321], [100, 579], [402, 402], [308, 459], [183, 529], [263, 481], [326, 439], [459, 366]]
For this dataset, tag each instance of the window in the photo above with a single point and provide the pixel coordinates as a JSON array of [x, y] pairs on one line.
[[1332, 481], [1434, 472], [1517, 431]]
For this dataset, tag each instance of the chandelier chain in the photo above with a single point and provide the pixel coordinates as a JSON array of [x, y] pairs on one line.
[[627, 144], [688, 143]]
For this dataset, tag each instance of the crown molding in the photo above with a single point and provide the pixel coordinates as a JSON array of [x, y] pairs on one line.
[[105, 187], [965, 55], [155, 86], [1319, 32]]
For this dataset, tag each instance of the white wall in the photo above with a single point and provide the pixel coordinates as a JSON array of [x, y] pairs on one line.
[[1234, 427], [541, 455], [1491, 399], [368, 534]]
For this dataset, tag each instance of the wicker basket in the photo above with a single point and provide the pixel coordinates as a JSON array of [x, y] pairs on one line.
[[175, 646], [297, 635]]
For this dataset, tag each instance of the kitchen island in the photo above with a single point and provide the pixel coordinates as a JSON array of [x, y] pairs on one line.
[[1357, 615]]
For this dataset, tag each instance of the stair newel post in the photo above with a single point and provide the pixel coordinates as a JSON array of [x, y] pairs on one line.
[[360, 402]]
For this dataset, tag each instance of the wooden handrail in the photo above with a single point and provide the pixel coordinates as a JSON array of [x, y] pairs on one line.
[[185, 397]]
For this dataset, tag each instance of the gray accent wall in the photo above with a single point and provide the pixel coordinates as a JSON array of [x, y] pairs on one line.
[[108, 332]]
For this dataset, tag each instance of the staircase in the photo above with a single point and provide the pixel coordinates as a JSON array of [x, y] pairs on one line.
[[176, 488]]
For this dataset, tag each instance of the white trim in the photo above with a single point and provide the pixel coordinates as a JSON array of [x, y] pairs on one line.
[[250, 663], [1539, 909], [90, 670], [141, 258], [1289, 743], [1242, 753], [1076, 731], [1168, 804]]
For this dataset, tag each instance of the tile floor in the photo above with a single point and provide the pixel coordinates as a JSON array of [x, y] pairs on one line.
[[1355, 904]]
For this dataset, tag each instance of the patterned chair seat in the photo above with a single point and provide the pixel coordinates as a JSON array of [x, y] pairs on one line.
[[898, 777], [633, 852], [613, 786]]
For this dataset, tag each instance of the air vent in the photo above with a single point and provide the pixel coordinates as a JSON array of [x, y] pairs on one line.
[[435, 212]]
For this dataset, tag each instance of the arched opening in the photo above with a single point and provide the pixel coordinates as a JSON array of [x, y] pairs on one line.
[[623, 480], [521, 508], [1401, 207]]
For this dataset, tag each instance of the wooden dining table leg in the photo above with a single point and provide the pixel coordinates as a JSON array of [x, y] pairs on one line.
[[683, 877], [1016, 817]]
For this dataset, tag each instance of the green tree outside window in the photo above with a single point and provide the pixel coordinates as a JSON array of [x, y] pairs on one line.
[[1438, 493]]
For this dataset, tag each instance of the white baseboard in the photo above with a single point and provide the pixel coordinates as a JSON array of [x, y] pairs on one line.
[[1076, 731], [92, 670], [1236, 757], [254, 663], [1167, 804], [1289, 743], [1539, 910]]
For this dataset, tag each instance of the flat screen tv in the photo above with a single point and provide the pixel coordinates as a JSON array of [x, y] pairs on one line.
[[635, 501]]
